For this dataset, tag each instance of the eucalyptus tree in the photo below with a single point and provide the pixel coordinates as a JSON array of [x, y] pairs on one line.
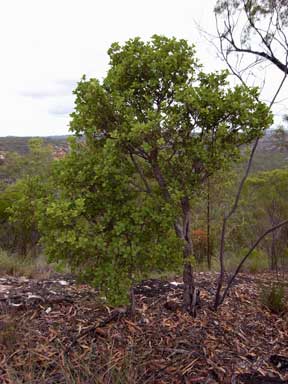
[[256, 29], [251, 35]]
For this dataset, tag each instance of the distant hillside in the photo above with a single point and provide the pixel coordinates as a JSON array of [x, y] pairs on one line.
[[20, 144], [272, 152]]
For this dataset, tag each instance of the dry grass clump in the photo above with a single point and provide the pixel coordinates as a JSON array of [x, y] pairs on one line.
[[14, 265]]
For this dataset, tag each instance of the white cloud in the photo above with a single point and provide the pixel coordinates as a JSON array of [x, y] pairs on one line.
[[62, 108], [46, 46]]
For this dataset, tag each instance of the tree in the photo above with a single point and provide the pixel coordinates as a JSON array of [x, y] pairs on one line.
[[24, 182], [279, 139], [160, 126], [268, 197], [208, 210], [97, 221], [255, 28], [24, 196]]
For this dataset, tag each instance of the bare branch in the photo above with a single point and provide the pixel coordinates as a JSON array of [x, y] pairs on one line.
[[273, 59], [228, 36], [224, 225], [272, 229], [257, 30], [227, 216]]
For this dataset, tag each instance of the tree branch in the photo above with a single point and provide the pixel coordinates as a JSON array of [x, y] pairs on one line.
[[272, 59], [274, 228], [141, 173], [284, 68]]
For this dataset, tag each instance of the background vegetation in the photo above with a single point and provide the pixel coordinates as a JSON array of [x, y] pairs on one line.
[[25, 178], [158, 153]]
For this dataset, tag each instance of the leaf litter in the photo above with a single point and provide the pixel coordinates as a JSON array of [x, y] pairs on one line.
[[58, 331]]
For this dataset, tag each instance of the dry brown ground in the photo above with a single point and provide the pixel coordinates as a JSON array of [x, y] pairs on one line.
[[55, 331]]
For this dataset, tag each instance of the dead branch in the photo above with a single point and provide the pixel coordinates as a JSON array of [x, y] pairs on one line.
[[227, 36], [115, 315], [248, 254]]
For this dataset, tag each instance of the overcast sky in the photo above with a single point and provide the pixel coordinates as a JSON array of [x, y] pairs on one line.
[[47, 45]]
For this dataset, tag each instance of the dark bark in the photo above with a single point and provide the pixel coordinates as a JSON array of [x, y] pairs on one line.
[[184, 233], [188, 286], [221, 274], [161, 181], [272, 212], [272, 59], [208, 226], [141, 173], [274, 263], [221, 299], [227, 35], [189, 298], [224, 225], [132, 302]]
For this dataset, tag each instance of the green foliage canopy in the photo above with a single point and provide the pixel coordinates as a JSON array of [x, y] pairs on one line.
[[155, 129], [25, 181]]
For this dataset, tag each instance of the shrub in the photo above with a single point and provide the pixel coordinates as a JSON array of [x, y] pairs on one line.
[[273, 298], [203, 267], [256, 262], [20, 266]]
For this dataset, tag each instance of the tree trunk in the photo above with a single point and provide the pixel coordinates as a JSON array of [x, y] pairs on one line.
[[183, 231], [132, 301], [273, 253], [208, 226], [189, 295], [217, 299]]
